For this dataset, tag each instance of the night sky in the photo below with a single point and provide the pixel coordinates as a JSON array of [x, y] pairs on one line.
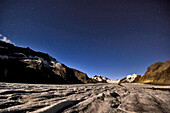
[[111, 38]]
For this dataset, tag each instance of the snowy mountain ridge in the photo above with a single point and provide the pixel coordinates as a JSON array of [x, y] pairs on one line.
[[103, 79], [25, 65]]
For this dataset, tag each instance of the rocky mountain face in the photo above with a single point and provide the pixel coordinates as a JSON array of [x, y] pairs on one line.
[[157, 73], [99, 79], [102, 79], [24, 65], [130, 78]]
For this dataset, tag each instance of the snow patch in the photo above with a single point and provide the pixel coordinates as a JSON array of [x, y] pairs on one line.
[[4, 39], [56, 64], [20, 54], [113, 81], [97, 78], [131, 78], [33, 60], [3, 57], [46, 64], [102, 78]]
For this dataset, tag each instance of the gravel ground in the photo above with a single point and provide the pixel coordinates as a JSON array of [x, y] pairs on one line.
[[83, 98]]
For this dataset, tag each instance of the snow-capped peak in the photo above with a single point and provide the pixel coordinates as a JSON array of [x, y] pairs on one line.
[[131, 78], [104, 79]]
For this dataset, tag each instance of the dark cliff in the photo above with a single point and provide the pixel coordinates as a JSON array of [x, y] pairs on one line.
[[18, 64]]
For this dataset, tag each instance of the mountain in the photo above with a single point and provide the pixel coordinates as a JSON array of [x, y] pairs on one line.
[[130, 78], [157, 73], [23, 65], [102, 79]]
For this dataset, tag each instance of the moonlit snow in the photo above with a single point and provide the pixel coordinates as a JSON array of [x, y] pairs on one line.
[[83, 98]]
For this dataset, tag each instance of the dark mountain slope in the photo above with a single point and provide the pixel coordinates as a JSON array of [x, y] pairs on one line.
[[24, 65]]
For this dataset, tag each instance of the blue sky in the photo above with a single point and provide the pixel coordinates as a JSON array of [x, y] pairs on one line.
[[112, 38]]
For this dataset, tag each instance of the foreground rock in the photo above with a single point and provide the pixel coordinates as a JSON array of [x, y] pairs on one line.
[[24, 65], [87, 98], [157, 73]]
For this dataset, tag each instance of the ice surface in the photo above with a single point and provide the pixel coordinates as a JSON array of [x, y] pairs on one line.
[[83, 98]]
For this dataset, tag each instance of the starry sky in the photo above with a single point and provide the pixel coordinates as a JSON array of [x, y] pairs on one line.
[[112, 38]]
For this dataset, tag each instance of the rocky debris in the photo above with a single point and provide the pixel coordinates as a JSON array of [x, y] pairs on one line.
[[24, 65], [157, 73], [82, 98], [130, 78], [102, 79]]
